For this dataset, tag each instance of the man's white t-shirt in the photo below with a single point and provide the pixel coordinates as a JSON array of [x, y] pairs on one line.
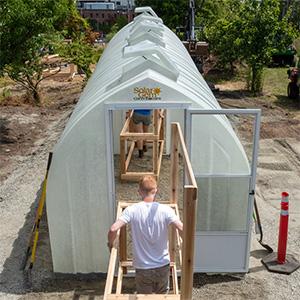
[[149, 226]]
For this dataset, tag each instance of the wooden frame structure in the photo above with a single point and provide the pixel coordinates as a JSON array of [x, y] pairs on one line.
[[183, 248], [129, 138]]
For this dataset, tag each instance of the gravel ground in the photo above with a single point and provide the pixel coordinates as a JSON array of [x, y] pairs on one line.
[[278, 170]]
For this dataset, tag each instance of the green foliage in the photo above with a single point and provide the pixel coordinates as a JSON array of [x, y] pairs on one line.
[[252, 33], [31, 29], [173, 12], [80, 53], [121, 21]]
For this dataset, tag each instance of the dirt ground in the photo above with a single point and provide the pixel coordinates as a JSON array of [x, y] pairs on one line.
[[28, 133]]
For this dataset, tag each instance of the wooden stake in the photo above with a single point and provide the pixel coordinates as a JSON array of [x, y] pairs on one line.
[[123, 246], [189, 221], [122, 158], [174, 164]]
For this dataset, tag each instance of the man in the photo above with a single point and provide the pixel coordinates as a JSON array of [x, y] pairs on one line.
[[141, 121], [149, 225]]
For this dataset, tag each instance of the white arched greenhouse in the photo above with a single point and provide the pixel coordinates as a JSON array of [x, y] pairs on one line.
[[145, 65]]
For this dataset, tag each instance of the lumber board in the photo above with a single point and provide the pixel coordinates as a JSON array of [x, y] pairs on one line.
[[123, 245], [131, 149], [112, 260], [161, 150], [143, 297], [175, 280], [119, 280], [174, 164], [189, 221], [134, 176], [122, 157], [139, 136], [187, 162]]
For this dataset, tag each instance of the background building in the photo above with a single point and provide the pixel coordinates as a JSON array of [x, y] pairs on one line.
[[103, 14]]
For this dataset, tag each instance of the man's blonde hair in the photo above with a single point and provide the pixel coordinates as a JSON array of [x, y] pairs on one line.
[[148, 184]]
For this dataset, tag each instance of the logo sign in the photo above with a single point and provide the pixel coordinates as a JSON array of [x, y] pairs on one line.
[[144, 93]]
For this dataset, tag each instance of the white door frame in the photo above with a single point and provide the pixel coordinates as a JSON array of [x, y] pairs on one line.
[[256, 132]]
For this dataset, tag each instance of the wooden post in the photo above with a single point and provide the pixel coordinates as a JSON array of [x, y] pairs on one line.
[[174, 164], [123, 246], [155, 142], [122, 157], [112, 261], [189, 221], [162, 128]]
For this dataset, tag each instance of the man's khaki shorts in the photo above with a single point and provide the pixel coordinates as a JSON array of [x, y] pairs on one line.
[[155, 280]]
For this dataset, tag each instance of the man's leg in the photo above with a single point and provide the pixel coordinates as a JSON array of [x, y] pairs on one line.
[[143, 281], [162, 276], [138, 128]]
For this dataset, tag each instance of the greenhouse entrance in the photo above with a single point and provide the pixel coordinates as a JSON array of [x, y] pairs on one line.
[[225, 188], [115, 120]]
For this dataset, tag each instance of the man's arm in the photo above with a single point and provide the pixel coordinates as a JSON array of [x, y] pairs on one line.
[[178, 225], [112, 233]]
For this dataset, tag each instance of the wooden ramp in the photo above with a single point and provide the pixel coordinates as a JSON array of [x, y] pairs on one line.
[[183, 249]]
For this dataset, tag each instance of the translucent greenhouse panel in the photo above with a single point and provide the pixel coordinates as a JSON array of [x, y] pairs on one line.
[[215, 147], [222, 203]]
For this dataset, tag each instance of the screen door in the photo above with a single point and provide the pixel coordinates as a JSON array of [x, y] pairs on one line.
[[223, 146]]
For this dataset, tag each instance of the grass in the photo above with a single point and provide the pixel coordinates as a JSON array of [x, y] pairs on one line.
[[275, 81], [4, 81], [217, 76]]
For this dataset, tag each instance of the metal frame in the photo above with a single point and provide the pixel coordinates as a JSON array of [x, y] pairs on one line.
[[256, 132]]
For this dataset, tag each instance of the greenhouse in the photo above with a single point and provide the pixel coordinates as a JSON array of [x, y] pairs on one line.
[[145, 65]]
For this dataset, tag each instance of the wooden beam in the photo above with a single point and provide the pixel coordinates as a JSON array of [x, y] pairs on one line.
[[161, 150], [112, 261], [143, 297], [174, 164], [187, 162], [162, 128], [175, 280], [172, 244], [119, 280], [189, 226], [127, 263], [178, 238], [135, 176], [155, 142], [139, 136], [123, 246], [122, 158], [127, 123], [131, 149]]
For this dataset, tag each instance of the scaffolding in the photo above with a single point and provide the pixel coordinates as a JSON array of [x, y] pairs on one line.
[[129, 138], [184, 248]]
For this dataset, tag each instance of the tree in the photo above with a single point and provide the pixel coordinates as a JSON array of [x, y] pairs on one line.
[[222, 32], [121, 21], [252, 34], [262, 33], [31, 29], [80, 53], [173, 12], [27, 29]]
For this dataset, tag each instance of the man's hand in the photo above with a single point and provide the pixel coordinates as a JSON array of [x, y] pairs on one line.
[[112, 234]]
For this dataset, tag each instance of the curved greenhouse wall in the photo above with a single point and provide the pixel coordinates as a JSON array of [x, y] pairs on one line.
[[145, 53]]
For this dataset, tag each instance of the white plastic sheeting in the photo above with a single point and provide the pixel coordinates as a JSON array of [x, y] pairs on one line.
[[147, 55]]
